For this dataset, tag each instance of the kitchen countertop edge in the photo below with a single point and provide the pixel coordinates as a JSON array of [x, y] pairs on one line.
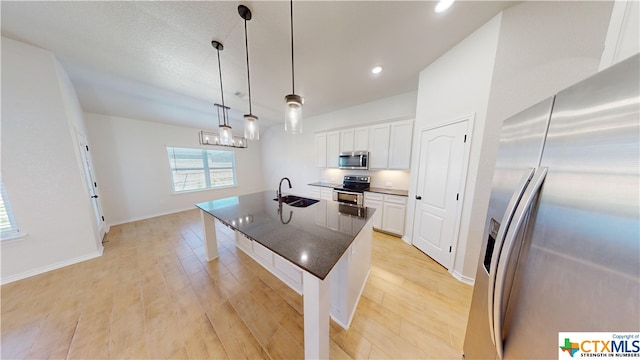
[[378, 190]]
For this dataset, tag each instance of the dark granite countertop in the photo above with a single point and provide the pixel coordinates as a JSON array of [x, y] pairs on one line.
[[389, 191], [371, 189], [297, 234], [326, 184]]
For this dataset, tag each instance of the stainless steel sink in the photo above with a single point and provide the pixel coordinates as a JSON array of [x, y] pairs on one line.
[[297, 201]]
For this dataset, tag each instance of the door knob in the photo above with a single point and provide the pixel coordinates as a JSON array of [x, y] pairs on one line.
[[418, 197]]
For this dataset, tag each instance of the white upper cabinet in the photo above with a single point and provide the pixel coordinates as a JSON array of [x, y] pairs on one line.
[[379, 146], [321, 150], [333, 149], [361, 139], [346, 140], [389, 145], [400, 145]]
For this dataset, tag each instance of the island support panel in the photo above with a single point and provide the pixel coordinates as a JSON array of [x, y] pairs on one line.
[[210, 238], [316, 316]]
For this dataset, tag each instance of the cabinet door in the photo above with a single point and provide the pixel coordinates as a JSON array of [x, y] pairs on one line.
[[361, 139], [346, 140], [321, 150], [400, 144], [333, 149], [379, 146], [377, 216], [393, 218]]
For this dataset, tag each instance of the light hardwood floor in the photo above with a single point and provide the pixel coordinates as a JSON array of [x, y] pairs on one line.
[[153, 295]]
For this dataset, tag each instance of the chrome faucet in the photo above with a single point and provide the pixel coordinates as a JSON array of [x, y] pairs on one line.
[[280, 188]]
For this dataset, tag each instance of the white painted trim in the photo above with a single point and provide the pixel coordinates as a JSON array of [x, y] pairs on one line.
[[465, 279], [406, 239], [47, 268], [125, 221], [611, 42], [12, 237], [470, 118]]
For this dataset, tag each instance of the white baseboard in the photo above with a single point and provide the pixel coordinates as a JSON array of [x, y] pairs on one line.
[[406, 239], [145, 217], [46, 268], [465, 279]]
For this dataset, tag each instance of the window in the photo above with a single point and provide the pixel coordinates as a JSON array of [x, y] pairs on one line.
[[198, 169], [8, 227]]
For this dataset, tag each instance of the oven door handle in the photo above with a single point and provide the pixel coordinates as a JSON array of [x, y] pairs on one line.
[[346, 192]]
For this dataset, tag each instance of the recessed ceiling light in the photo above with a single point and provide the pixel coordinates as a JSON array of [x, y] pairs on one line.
[[376, 70], [443, 5]]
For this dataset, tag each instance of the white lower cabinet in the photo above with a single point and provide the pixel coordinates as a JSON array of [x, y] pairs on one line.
[[326, 193], [390, 211], [287, 272], [374, 200], [314, 192], [262, 255], [244, 243], [346, 280], [318, 192]]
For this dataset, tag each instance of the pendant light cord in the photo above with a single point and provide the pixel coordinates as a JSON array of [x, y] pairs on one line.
[[293, 77], [224, 113], [246, 46]]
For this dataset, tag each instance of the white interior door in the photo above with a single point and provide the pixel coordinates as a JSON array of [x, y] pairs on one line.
[[441, 174], [91, 183]]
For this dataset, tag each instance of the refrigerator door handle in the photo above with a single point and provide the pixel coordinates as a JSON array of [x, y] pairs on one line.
[[506, 220], [528, 197]]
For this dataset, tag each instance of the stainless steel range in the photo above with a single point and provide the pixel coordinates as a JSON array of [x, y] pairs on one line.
[[352, 190]]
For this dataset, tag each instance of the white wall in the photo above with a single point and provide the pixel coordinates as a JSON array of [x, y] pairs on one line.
[[527, 53], [293, 156], [132, 168], [40, 165], [543, 48], [452, 87]]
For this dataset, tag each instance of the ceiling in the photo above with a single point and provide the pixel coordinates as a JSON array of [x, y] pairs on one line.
[[154, 60]]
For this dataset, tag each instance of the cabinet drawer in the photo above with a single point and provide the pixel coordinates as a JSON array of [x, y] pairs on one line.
[[373, 196], [395, 199], [326, 194], [314, 192], [262, 254]]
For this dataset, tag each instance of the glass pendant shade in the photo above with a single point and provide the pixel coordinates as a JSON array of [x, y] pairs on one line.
[[251, 127], [226, 137], [293, 114]]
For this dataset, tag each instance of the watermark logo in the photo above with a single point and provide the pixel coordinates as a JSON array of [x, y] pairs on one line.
[[598, 344]]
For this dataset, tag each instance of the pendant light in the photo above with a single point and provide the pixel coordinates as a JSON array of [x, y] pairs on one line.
[[226, 137], [293, 107], [251, 127]]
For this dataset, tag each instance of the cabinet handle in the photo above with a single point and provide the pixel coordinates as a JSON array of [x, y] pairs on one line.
[[94, 197], [418, 197]]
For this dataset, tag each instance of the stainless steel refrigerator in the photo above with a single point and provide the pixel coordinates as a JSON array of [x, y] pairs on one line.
[[561, 250]]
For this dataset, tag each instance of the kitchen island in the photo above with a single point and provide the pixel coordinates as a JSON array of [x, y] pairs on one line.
[[322, 251]]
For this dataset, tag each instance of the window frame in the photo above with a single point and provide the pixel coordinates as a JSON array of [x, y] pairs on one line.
[[13, 232], [206, 169]]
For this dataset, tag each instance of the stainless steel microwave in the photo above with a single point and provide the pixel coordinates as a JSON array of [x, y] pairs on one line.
[[354, 160]]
